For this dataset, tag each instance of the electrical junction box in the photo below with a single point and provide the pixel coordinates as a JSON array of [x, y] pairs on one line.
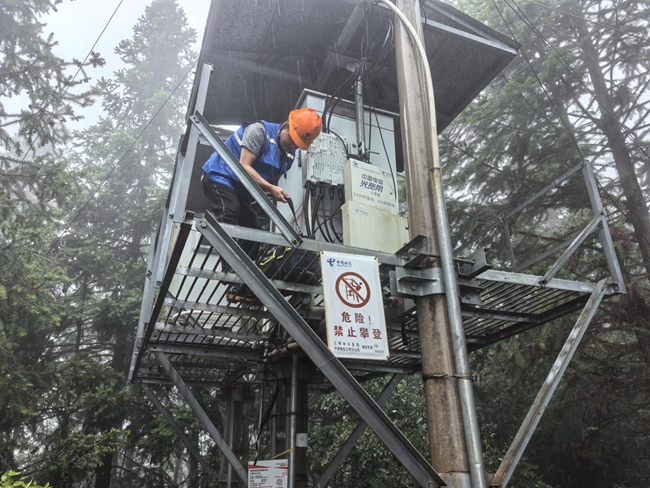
[[369, 185], [323, 162], [371, 228]]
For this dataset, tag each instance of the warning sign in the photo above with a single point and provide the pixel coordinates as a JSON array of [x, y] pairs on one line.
[[353, 290], [354, 306], [268, 474]]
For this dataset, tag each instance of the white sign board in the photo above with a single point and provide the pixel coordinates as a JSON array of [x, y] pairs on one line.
[[268, 474], [369, 185], [354, 306]]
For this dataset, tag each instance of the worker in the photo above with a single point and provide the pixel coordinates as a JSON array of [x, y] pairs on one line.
[[266, 150]]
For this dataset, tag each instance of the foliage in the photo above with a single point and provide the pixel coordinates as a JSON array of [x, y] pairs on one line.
[[12, 479]]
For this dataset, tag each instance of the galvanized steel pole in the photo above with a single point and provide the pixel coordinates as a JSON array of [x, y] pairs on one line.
[[453, 430], [293, 421]]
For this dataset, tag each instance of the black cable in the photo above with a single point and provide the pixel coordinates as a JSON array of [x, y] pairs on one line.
[[90, 51], [383, 143], [305, 205], [564, 122], [110, 173]]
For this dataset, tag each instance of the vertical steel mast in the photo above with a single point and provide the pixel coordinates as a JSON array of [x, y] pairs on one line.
[[451, 416]]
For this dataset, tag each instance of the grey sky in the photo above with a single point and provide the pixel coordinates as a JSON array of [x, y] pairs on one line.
[[77, 24]]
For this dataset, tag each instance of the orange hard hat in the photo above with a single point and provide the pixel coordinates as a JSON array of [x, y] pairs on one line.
[[304, 126]]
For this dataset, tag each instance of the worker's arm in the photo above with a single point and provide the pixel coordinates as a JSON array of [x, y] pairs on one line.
[[247, 159]]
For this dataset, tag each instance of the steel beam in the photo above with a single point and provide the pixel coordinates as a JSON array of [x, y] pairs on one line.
[[276, 239], [220, 309], [343, 41], [202, 416], [318, 352], [246, 180], [178, 205], [213, 333], [293, 421], [233, 278], [207, 352], [544, 255], [532, 280], [355, 435], [193, 450], [485, 313], [545, 394], [169, 275], [493, 43], [575, 244], [147, 302], [605, 235]]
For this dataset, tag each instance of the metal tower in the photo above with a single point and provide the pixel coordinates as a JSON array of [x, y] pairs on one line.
[[254, 64]]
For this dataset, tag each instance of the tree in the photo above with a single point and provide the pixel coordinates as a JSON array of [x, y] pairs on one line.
[[130, 151], [577, 91], [34, 187]]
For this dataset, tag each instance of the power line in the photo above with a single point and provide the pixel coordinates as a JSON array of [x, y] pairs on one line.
[[524, 18], [65, 89], [600, 24], [110, 173], [564, 122]]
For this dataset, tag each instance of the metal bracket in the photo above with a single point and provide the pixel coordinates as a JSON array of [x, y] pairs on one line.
[[413, 253], [406, 282], [468, 270], [470, 292]]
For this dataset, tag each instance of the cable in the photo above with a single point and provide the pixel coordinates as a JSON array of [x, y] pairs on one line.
[[40, 111], [524, 18], [600, 24], [564, 122], [383, 143], [105, 179]]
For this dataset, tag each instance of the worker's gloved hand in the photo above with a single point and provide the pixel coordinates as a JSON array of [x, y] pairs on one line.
[[279, 194]]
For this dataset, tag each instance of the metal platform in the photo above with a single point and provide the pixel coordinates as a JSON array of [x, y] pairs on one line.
[[212, 341]]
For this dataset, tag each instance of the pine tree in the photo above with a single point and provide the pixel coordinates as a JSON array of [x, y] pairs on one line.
[[592, 63], [35, 185], [131, 150]]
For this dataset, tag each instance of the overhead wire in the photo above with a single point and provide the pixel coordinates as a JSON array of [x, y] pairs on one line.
[[564, 122], [524, 18], [117, 164], [583, 19], [65, 89]]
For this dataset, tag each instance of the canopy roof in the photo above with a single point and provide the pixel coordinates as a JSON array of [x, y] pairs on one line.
[[265, 52]]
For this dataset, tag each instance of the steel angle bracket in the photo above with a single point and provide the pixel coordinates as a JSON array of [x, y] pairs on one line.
[[406, 282], [480, 264], [318, 352], [413, 253], [253, 188], [191, 447], [203, 417]]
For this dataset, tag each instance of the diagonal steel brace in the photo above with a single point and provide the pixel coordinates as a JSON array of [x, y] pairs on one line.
[[194, 451], [246, 180], [202, 416], [355, 435], [318, 352], [528, 426], [597, 221]]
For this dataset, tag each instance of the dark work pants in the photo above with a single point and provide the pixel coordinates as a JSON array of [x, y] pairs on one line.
[[229, 208]]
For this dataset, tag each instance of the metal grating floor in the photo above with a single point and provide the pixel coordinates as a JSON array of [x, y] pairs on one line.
[[211, 341]]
